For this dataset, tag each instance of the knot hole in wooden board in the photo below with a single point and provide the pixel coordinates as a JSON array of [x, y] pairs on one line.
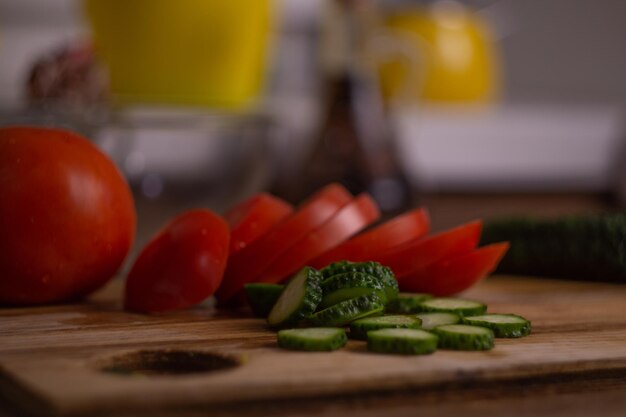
[[167, 362]]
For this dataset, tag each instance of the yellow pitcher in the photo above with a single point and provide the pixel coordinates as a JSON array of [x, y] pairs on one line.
[[191, 52], [458, 59]]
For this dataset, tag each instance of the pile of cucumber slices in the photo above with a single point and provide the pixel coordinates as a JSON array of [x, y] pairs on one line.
[[312, 311]]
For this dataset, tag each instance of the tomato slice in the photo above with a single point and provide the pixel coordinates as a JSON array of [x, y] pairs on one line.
[[351, 219], [366, 246], [181, 266], [414, 255], [451, 276], [253, 217], [246, 264]]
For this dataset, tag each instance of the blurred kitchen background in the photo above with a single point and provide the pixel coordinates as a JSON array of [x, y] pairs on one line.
[[477, 108]]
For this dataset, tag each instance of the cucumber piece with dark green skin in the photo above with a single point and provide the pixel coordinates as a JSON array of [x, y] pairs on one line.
[[407, 303], [432, 320], [351, 279], [312, 338], [299, 299], [457, 306], [360, 327], [464, 337], [343, 294], [262, 297], [347, 311], [590, 247], [502, 325], [402, 341], [383, 273]]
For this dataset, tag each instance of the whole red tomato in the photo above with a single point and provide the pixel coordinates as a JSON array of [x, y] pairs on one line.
[[67, 218]]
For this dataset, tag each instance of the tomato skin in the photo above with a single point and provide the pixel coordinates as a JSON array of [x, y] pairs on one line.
[[453, 275], [253, 217], [248, 263], [366, 246], [414, 255], [67, 218], [181, 266], [348, 221]]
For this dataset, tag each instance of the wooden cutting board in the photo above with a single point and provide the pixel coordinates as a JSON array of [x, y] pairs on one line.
[[77, 359]]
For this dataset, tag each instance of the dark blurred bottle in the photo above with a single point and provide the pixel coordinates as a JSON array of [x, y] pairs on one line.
[[355, 144]]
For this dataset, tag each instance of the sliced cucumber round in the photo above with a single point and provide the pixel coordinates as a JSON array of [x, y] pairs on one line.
[[343, 294], [503, 325], [458, 306], [360, 327], [347, 311], [298, 300], [464, 337], [351, 280], [407, 303], [383, 273], [404, 341], [432, 320], [262, 297], [312, 338]]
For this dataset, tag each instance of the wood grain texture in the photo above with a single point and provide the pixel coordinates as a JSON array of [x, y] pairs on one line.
[[51, 360]]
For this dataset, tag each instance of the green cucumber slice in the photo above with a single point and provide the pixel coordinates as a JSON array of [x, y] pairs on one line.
[[383, 273], [312, 338], [464, 337], [403, 341], [432, 320], [407, 303], [343, 294], [262, 297], [349, 280], [503, 325], [298, 300], [360, 327], [347, 311], [458, 306]]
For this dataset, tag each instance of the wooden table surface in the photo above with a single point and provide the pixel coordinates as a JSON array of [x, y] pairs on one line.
[[574, 363]]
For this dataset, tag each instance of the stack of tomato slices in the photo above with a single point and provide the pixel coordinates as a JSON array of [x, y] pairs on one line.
[[270, 241]]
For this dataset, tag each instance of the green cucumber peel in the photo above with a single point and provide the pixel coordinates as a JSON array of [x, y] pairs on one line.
[[299, 299], [360, 327], [312, 338], [502, 325], [402, 341], [347, 311]]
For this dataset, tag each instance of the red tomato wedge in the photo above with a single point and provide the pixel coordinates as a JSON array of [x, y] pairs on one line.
[[351, 219], [181, 266], [414, 255], [253, 217], [451, 276], [246, 264], [366, 246]]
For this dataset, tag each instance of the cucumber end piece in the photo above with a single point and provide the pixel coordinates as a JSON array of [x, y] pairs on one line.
[[298, 300]]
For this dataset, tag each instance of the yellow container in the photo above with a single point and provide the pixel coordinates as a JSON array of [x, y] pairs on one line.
[[192, 52], [458, 61]]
